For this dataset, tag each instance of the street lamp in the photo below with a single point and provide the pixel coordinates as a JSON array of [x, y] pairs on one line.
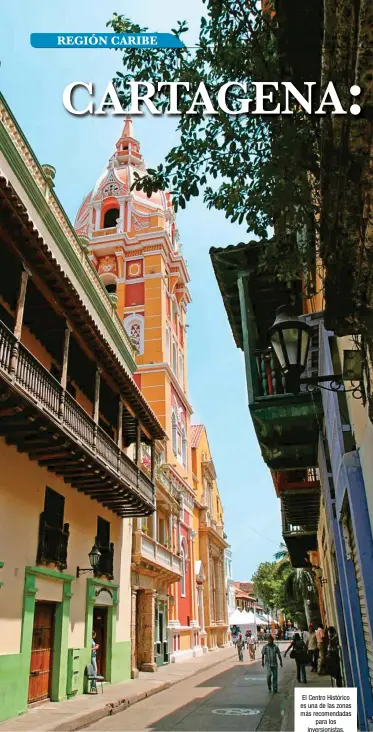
[[94, 558], [290, 338]]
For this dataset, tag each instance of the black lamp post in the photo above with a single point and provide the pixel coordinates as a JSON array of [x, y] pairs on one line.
[[94, 558], [290, 339]]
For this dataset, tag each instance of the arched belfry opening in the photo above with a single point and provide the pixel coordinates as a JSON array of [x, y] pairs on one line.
[[110, 218]]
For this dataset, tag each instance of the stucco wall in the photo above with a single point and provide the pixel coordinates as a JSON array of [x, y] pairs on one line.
[[22, 491]]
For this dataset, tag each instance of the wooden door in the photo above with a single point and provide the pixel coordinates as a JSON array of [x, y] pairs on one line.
[[41, 652], [100, 626]]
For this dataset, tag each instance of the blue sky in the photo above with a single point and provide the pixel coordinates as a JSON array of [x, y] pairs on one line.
[[32, 81]]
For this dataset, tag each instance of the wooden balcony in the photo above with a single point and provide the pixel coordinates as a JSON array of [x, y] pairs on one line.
[[43, 420], [159, 558], [289, 481], [300, 517], [286, 424]]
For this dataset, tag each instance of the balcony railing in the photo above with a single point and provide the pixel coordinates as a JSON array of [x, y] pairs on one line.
[[270, 381], [52, 545], [106, 562], [24, 370], [150, 550]]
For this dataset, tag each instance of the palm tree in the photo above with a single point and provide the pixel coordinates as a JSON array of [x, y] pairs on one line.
[[282, 552], [299, 584]]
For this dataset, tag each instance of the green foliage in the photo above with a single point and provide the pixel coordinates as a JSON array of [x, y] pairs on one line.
[[280, 585], [254, 168], [268, 586]]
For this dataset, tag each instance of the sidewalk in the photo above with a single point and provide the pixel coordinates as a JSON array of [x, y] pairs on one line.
[[314, 681], [76, 713]]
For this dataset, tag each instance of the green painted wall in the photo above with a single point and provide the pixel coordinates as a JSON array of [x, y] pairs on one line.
[[68, 664]]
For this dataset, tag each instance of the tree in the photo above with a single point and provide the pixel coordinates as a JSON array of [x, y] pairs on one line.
[[253, 167], [268, 586], [298, 584]]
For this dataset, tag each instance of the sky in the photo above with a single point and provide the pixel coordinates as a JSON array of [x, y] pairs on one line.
[[32, 81]]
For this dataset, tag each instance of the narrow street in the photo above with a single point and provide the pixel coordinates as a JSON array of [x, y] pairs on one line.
[[232, 696]]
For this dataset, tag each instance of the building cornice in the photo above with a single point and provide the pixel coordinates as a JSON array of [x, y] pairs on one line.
[[149, 367]]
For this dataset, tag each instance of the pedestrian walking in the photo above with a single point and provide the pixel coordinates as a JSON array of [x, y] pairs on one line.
[[320, 635], [332, 660], [240, 646], [251, 644], [313, 651], [94, 650], [298, 651], [270, 653], [234, 634]]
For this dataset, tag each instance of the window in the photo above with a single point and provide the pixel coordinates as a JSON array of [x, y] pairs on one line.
[[181, 369], [53, 533], [110, 218], [168, 344], [134, 325], [174, 432], [105, 566], [184, 556], [184, 447], [111, 287], [54, 506], [103, 532], [136, 335], [174, 357]]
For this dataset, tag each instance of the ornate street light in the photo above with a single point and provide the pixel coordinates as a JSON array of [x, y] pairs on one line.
[[290, 338], [94, 558]]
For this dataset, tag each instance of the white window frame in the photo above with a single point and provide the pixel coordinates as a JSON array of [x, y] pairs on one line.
[[168, 344], [174, 357], [184, 448], [184, 557], [181, 369], [135, 319], [174, 431]]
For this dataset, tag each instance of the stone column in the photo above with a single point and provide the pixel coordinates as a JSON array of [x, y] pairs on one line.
[[154, 519], [121, 213], [153, 461], [178, 536], [134, 669], [98, 216], [146, 621], [170, 532]]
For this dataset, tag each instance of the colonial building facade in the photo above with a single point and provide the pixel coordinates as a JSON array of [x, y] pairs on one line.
[[73, 428], [212, 598], [134, 246]]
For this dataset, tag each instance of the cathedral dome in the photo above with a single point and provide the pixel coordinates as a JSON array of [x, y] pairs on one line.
[[115, 184]]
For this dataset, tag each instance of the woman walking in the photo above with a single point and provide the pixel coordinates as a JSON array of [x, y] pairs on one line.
[[298, 651], [333, 664]]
